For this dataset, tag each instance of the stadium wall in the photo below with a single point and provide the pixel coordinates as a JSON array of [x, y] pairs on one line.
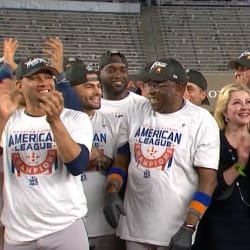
[[61, 5], [216, 80]]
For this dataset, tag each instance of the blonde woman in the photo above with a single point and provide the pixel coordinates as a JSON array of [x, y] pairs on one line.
[[226, 224]]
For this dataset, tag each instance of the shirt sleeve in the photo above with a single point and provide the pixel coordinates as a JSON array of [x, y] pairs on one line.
[[5, 72], [208, 144], [71, 99]]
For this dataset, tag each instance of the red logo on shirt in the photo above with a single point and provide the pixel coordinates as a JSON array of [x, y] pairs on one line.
[[155, 159], [39, 167]]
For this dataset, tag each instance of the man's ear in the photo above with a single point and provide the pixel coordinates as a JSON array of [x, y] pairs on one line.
[[19, 85], [19, 89], [180, 87], [203, 95]]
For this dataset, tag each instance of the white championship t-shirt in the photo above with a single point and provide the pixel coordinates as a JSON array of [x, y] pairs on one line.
[[40, 195], [161, 175], [94, 179], [120, 108]]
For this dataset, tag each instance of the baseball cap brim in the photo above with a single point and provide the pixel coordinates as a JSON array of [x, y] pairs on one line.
[[76, 75], [151, 76], [46, 69], [112, 56], [233, 64]]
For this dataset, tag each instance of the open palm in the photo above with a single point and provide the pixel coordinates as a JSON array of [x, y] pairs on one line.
[[10, 98]]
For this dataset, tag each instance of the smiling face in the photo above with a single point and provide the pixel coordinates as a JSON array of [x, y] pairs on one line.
[[90, 93], [114, 79], [165, 97], [36, 86], [238, 108], [194, 93]]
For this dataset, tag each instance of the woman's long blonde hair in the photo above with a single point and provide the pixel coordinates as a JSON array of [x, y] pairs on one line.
[[222, 101]]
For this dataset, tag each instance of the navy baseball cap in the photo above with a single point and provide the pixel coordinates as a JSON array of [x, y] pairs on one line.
[[112, 56], [77, 74], [71, 60], [32, 66], [163, 70], [198, 79], [243, 60]]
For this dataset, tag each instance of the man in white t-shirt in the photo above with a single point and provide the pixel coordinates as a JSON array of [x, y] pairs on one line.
[[88, 89], [84, 95], [117, 99], [45, 149], [171, 176], [9, 48]]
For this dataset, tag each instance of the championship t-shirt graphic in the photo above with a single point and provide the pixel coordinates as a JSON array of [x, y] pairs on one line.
[[154, 148], [33, 153]]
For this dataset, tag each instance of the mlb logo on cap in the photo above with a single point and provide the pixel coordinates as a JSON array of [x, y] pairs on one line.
[[243, 60], [245, 54], [33, 66], [164, 70]]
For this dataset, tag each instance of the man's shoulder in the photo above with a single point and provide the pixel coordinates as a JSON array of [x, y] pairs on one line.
[[105, 122], [17, 114], [195, 109], [125, 104], [198, 114], [70, 113], [136, 97], [103, 118]]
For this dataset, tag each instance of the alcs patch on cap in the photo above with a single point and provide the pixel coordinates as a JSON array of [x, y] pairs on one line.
[[32, 66], [164, 70], [243, 60], [112, 56]]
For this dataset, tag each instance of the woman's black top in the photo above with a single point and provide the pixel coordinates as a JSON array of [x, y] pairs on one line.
[[226, 223]]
